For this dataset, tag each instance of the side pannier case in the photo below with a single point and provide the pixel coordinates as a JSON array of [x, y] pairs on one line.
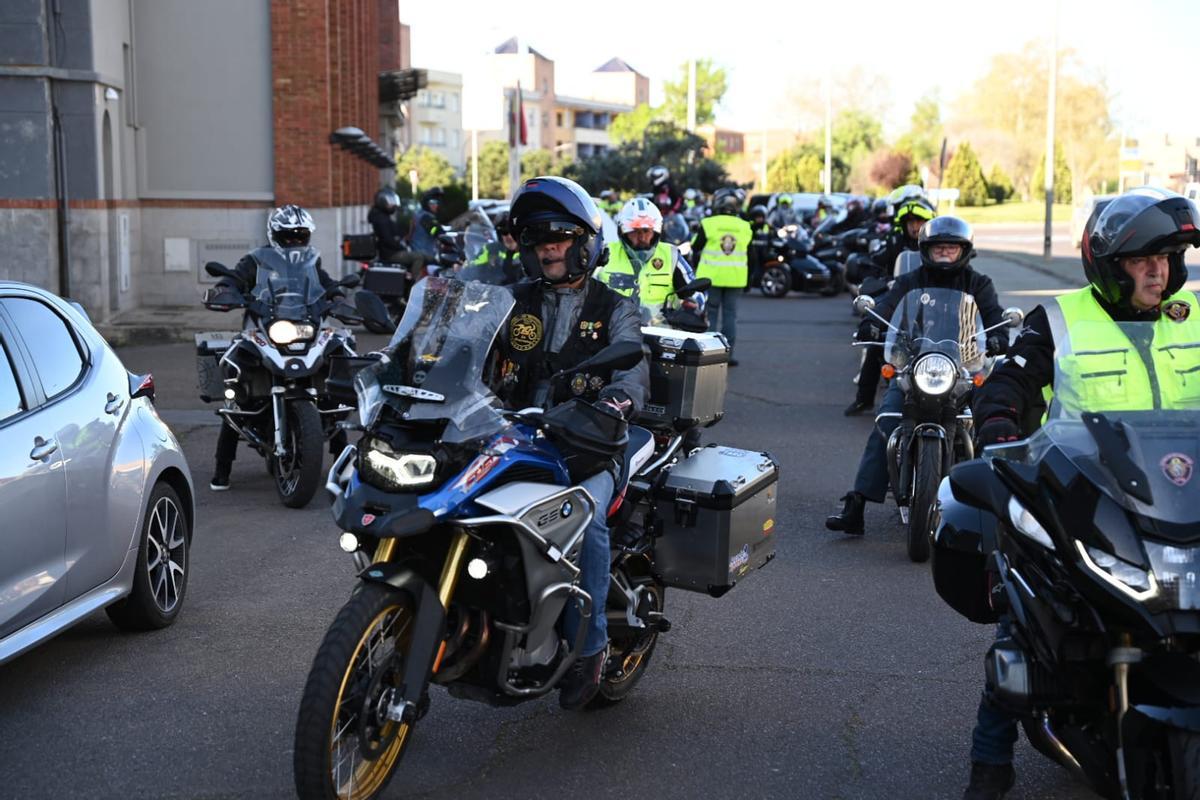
[[717, 509], [964, 537], [687, 379], [210, 377]]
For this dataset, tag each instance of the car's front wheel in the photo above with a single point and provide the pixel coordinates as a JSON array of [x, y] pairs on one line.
[[160, 577]]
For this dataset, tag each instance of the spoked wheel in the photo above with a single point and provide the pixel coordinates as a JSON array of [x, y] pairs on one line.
[[298, 473], [922, 515], [346, 748], [776, 281], [629, 656]]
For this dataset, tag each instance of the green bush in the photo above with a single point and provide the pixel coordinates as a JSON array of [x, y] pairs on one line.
[[965, 174]]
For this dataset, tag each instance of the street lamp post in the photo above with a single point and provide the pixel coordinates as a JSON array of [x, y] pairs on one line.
[[1049, 170]]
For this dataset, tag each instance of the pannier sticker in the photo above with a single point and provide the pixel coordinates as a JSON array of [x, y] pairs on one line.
[[768, 526], [658, 410], [732, 452], [740, 560]]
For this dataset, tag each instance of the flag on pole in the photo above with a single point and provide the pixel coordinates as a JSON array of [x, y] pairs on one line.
[[518, 134]]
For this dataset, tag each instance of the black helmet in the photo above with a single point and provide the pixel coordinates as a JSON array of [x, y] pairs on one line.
[[881, 209], [1141, 222], [387, 200], [725, 201], [946, 230], [758, 210], [290, 226], [432, 195], [658, 175], [556, 206]]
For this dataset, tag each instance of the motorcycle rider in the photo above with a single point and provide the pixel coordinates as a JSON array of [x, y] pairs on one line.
[[783, 213], [1132, 254], [760, 233], [691, 198], [426, 227], [610, 203], [562, 317], [289, 229], [666, 197], [721, 250], [389, 241], [655, 268], [909, 218], [946, 246]]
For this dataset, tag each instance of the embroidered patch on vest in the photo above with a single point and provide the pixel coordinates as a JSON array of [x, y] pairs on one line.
[[1177, 310], [1177, 467], [728, 243], [524, 332], [579, 384], [657, 263]]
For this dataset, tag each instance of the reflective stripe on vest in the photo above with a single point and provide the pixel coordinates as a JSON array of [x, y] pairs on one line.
[[726, 242], [1108, 372], [652, 283]]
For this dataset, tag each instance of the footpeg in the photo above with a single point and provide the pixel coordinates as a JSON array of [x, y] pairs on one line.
[[658, 622]]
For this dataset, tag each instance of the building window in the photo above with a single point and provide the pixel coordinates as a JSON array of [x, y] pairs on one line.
[[558, 119], [545, 120], [439, 137], [453, 99], [545, 86], [426, 135], [437, 99], [423, 98], [454, 138]]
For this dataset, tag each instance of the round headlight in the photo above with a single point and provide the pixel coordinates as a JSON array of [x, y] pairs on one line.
[[283, 332], [934, 374]]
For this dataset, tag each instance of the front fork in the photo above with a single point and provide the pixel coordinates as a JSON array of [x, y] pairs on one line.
[[1120, 658], [424, 658], [279, 409]]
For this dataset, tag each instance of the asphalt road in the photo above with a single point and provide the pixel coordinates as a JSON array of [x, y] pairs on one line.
[[835, 672]]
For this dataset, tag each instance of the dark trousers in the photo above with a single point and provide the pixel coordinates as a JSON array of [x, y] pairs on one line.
[[227, 442], [872, 478], [995, 731], [868, 375]]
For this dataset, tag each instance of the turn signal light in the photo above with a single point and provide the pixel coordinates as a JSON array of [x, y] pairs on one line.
[[887, 371], [978, 379]]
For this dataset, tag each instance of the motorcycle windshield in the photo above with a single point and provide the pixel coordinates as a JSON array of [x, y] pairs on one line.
[[1118, 420], [437, 358], [934, 320], [907, 261], [287, 282], [676, 229]]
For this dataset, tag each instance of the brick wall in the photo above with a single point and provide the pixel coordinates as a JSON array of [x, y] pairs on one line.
[[325, 63]]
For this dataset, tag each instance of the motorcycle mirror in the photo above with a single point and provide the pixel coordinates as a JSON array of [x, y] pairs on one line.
[[698, 285], [1015, 317], [219, 270], [371, 308], [864, 303], [350, 281]]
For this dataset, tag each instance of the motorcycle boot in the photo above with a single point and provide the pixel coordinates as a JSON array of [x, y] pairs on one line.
[[857, 407], [851, 518], [582, 681], [989, 781], [220, 479]]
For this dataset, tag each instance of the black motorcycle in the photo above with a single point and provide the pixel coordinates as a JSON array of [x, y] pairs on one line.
[[1084, 541], [936, 349], [787, 265], [271, 376]]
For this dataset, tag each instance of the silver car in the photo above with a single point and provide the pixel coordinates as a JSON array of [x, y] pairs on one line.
[[96, 500]]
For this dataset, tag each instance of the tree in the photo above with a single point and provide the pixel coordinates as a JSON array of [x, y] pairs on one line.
[[631, 126], [537, 162], [493, 169], [624, 167], [854, 134], [1000, 186], [1062, 178], [799, 170], [924, 136], [711, 83], [887, 169], [965, 174], [432, 168]]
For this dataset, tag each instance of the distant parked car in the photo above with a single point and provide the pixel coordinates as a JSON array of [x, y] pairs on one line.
[[96, 500], [1081, 213]]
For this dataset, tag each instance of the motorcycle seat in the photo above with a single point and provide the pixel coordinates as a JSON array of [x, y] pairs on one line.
[[637, 453]]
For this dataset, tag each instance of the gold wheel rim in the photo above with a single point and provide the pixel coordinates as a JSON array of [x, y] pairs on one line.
[[364, 778]]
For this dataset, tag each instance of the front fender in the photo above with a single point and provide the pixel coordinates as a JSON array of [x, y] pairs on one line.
[[428, 631]]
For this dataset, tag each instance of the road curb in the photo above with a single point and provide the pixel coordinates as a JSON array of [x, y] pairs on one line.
[[122, 335], [1034, 263]]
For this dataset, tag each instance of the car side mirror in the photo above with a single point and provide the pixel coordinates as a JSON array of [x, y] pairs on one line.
[[1015, 317]]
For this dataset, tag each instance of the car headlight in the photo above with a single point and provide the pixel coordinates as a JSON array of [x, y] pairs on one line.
[[284, 331], [1176, 570], [1027, 524], [934, 374], [391, 471], [1121, 575]]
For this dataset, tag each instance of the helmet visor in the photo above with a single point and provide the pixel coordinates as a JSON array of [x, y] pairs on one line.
[[549, 232], [292, 237]]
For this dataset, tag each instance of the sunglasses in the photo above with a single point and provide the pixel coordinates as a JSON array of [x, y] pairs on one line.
[[549, 233]]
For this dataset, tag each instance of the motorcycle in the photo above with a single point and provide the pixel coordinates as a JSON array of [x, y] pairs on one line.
[[936, 349], [271, 376], [465, 523], [1084, 541], [787, 265]]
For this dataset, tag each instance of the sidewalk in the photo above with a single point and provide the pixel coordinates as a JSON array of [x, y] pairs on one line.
[[1062, 268], [164, 324]]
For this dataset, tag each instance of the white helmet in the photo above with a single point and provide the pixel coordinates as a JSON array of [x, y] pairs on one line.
[[639, 214], [290, 226]]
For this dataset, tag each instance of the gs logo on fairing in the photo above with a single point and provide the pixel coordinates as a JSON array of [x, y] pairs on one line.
[[728, 243], [525, 331]]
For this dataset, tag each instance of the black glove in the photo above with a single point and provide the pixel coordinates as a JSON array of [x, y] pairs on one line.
[[868, 331], [997, 345], [615, 400], [996, 430]]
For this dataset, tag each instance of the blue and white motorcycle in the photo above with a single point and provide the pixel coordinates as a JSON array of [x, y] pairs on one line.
[[467, 529]]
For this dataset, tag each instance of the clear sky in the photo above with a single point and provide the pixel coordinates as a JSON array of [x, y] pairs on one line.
[[1147, 50]]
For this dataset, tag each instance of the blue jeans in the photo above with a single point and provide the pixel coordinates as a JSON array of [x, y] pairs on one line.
[[594, 568], [872, 478], [995, 731], [722, 303]]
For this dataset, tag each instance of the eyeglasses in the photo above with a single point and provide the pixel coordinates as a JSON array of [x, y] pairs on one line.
[[549, 233]]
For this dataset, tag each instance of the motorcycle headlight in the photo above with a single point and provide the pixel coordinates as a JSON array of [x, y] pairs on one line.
[[1123, 576], [284, 331], [1027, 524], [1176, 570], [392, 471], [935, 374]]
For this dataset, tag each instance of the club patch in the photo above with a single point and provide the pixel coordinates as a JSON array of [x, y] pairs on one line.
[[657, 263], [524, 332], [728, 243], [1178, 468], [1177, 310]]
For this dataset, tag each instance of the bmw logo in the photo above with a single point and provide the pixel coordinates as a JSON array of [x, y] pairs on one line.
[[566, 509]]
